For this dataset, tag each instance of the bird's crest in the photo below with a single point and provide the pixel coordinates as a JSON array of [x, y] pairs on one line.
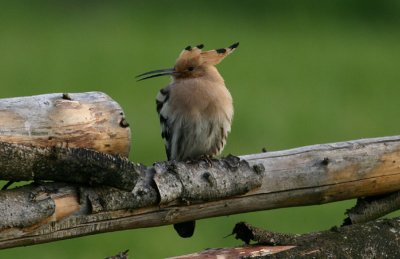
[[189, 59], [211, 57]]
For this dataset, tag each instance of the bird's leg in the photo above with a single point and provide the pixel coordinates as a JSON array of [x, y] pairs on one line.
[[205, 158]]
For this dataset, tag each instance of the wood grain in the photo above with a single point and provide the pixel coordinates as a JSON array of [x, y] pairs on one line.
[[303, 176], [88, 120]]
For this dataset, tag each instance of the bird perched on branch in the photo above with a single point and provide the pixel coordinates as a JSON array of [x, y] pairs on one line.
[[195, 109]]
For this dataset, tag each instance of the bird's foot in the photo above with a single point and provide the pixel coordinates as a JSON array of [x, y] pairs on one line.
[[207, 159]]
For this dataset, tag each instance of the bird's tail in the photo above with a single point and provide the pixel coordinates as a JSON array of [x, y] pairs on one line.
[[185, 229]]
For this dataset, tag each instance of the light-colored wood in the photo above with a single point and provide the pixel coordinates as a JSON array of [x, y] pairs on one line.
[[88, 120], [303, 176], [235, 252]]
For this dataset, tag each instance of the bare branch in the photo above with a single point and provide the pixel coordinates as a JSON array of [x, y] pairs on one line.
[[371, 208], [380, 238], [250, 251], [77, 120], [172, 192], [77, 165]]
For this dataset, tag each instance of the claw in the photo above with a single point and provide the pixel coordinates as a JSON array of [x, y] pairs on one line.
[[207, 159]]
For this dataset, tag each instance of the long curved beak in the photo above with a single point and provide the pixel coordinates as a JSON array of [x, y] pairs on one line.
[[155, 73]]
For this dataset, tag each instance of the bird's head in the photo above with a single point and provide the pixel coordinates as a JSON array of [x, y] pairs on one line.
[[192, 63]]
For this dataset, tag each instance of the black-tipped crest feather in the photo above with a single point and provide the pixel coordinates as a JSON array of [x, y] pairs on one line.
[[234, 46], [208, 58], [184, 138], [220, 51]]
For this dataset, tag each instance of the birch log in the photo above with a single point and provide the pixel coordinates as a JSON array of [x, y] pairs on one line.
[[302, 176], [88, 120]]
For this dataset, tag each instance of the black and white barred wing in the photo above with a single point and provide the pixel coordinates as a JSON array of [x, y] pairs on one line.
[[165, 123]]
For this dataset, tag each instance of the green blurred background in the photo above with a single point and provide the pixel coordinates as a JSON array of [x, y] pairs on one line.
[[306, 72]]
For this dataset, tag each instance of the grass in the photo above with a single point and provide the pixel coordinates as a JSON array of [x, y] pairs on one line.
[[303, 74]]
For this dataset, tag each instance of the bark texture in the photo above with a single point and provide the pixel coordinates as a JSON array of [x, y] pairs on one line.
[[86, 120], [376, 239], [249, 251], [172, 192], [62, 210], [77, 165], [370, 208], [202, 181]]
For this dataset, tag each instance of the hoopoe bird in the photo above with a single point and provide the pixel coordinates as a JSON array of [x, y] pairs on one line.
[[195, 109]]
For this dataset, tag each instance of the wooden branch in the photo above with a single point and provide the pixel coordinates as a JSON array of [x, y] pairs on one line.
[[87, 120], [380, 238], [120, 255], [302, 176], [24, 163], [370, 208], [74, 207], [249, 251]]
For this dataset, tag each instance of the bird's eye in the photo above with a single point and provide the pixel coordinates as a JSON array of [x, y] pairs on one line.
[[190, 68]]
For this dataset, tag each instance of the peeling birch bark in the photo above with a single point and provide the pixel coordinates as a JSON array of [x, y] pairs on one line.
[[302, 176], [84, 166], [191, 182]]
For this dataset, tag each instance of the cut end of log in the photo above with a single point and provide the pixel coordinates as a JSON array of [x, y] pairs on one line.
[[77, 120]]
